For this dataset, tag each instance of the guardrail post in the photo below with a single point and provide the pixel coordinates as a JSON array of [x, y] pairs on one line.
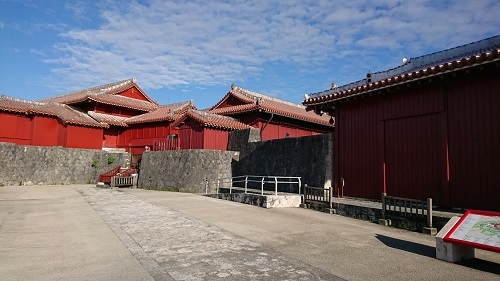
[[262, 186], [275, 185], [330, 197], [299, 184], [383, 205], [246, 184], [134, 180], [305, 193], [429, 212]]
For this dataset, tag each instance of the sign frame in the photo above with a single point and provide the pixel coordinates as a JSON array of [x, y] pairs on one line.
[[458, 224]]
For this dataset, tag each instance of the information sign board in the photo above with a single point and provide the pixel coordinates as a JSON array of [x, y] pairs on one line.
[[478, 229]]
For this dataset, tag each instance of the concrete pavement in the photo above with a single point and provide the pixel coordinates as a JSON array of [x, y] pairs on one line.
[[86, 233], [51, 233]]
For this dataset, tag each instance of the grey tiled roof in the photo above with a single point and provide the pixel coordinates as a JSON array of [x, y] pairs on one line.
[[422, 62]]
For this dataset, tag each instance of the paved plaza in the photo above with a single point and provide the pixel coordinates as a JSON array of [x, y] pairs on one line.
[[80, 232]]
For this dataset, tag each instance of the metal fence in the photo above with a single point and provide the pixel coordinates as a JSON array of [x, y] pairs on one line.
[[251, 184], [124, 181], [407, 208]]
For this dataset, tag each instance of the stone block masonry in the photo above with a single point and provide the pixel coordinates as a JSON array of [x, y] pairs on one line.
[[264, 201], [35, 165], [308, 157], [185, 170]]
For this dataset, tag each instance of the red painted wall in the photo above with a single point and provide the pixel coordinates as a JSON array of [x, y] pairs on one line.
[[215, 139], [114, 110], [440, 141], [191, 135], [133, 93], [83, 137], [45, 131], [15, 128], [474, 140], [140, 136], [230, 101], [110, 137], [279, 131]]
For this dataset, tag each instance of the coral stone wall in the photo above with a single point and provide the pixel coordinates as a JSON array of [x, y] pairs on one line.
[[184, 170], [32, 165], [308, 157]]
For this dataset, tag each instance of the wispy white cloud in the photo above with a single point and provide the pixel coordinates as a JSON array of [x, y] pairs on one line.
[[78, 8], [171, 43], [37, 52]]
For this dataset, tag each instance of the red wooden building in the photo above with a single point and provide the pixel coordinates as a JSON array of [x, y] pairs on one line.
[[204, 130], [274, 118], [111, 104], [122, 116], [429, 128], [47, 124], [154, 129]]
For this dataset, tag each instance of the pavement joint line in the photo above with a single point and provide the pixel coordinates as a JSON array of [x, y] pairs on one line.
[[149, 264], [181, 252]]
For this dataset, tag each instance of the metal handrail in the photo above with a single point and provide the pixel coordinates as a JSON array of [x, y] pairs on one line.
[[257, 179]]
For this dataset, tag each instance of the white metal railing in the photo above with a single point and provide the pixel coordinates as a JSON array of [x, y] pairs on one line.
[[120, 181], [249, 182]]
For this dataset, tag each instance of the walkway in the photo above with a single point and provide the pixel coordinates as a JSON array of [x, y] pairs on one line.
[[86, 233]]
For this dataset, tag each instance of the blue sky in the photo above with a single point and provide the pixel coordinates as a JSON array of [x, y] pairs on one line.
[[183, 50]]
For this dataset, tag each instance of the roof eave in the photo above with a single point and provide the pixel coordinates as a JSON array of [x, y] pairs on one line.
[[372, 87]]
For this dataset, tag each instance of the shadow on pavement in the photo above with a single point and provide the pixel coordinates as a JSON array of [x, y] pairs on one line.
[[407, 246], [482, 265], [429, 251]]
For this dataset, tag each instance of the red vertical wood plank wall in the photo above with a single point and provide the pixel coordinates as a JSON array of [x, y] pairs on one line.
[[440, 141], [83, 137], [215, 139], [474, 141], [191, 135], [15, 128], [45, 131], [110, 138]]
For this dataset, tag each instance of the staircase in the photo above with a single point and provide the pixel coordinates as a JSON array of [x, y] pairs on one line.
[[120, 177]]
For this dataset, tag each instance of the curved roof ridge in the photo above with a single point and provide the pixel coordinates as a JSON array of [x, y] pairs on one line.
[[255, 95], [210, 114], [103, 88], [22, 100]]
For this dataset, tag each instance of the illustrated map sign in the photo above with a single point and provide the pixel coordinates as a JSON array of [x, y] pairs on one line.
[[478, 229]]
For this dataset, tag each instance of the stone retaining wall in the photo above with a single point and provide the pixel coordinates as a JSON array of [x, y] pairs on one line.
[[33, 165], [264, 201], [184, 170], [308, 157]]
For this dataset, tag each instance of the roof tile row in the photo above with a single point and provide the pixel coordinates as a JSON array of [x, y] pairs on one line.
[[64, 112], [475, 53], [107, 94], [258, 102], [208, 119]]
